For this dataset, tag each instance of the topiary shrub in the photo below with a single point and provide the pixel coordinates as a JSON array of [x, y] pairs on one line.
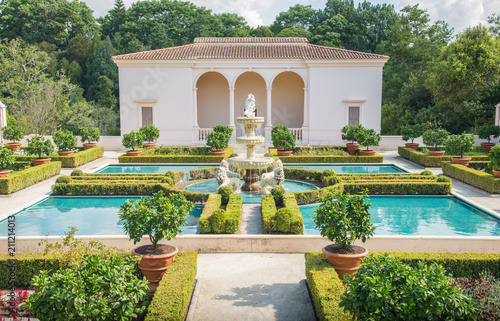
[[331, 180], [167, 180], [218, 221], [234, 155], [426, 173], [328, 172], [225, 192], [278, 192], [283, 218], [444, 179], [77, 172], [64, 180]]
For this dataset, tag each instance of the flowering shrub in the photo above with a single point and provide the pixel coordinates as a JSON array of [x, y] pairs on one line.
[[11, 305], [485, 294]]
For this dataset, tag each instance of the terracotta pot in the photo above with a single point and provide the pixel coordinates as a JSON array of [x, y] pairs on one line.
[[66, 152], [149, 145], [436, 152], [280, 148], [40, 161], [4, 173], [487, 147], [134, 152], [496, 172], [344, 263], [154, 266], [15, 147], [285, 152], [352, 148], [89, 145], [461, 160], [412, 145], [217, 152], [367, 152]]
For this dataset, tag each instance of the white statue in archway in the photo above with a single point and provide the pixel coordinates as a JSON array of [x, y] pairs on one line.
[[250, 107]]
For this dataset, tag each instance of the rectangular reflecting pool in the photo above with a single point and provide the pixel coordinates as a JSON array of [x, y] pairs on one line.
[[150, 169], [91, 215], [354, 168], [421, 215]]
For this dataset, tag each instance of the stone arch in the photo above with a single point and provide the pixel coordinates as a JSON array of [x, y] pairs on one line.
[[249, 83], [288, 100], [212, 99]]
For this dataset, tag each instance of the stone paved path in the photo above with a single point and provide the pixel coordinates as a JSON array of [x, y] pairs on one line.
[[251, 219]]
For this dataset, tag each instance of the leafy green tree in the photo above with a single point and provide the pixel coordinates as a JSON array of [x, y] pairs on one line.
[[63, 65], [74, 73], [104, 93], [298, 16], [261, 31], [115, 18], [294, 32], [102, 66], [77, 49], [494, 20], [233, 25], [92, 51], [126, 43]]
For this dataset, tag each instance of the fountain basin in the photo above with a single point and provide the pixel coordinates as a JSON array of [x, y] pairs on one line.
[[255, 140], [242, 162]]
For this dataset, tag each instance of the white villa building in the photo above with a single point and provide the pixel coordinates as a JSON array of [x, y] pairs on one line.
[[314, 90]]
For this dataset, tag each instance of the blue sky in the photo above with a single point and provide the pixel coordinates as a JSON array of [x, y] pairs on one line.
[[458, 13]]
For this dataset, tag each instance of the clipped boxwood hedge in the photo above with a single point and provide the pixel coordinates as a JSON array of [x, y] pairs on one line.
[[430, 161], [202, 173], [326, 158], [172, 298], [28, 177], [175, 158], [473, 177], [78, 158], [232, 214], [399, 188], [27, 266], [270, 223], [313, 196]]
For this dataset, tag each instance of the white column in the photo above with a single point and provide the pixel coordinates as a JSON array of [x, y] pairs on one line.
[[231, 107], [195, 107], [497, 120], [269, 113], [306, 108]]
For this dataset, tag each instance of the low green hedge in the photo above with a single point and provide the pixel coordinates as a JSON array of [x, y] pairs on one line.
[[27, 266], [473, 177], [478, 164], [313, 196], [399, 188], [303, 173], [430, 161], [151, 177], [326, 158], [214, 201], [20, 165], [202, 173], [269, 221], [172, 298], [175, 158], [78, 158], [232, 214], [386, 177], [177, 176], [28, 177]]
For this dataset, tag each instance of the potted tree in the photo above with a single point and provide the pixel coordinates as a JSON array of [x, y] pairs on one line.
[[410, 132], [343, 219], [158, 217], [494, 157], [41, 148], [350, 133], [367, 138], [65, 142], [458, 145], [133, 140], [149, 133], [217, 141], [435, 138], [14, 134], [6, 160], [226, 130], [274, 130], [285, 138], [486, 132], [91, 135]]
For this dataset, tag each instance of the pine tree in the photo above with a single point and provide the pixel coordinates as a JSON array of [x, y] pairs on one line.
[[104, 93], [102, 65], [74, 73], [118, 15]]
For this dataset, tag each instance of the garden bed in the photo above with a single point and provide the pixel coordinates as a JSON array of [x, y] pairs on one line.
[[79, 158], [27, 177], [433, 161], [177, 155], [477, 178], [324, 154], [232, 214], [271, 224]]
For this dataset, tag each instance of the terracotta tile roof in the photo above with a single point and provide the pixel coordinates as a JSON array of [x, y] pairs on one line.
[[250, 48]]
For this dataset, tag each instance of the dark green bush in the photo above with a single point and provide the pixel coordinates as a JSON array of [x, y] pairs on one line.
[[28, 177], [278, 192], [64, 180], [202, 173], [225, 192], [331, 180], [430, 161], [327, 173], [218, 221], [77, 172], [231, 217], [444, 179], [473, 177], [168, 180], [269, 219], [283, 219], [426, 172]]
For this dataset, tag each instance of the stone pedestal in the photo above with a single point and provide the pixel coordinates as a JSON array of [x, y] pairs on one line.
[[251, 178]]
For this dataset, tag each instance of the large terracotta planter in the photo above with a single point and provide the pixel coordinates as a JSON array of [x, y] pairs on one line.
[[496, 172], [217, 152], [412, 145], [280, 148], [436, 152], [66, 152], [285, 152], [4, 173], [89, 145], [15, 147], [367, 152], [149, 145], [344, 263], [461, 160], [352, 148], [154, 266], [487, 147], [134, 152], [40, 161]]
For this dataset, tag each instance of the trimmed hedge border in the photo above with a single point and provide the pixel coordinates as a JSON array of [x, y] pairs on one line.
[[313, 196], [203, 173], [27, 266], [172, 298], [28, 177], [78, 159], [232, 214], [326, 287], [175, 158], [399, 188], [327, 158], [269, 223], [473, 177], [430, 161]]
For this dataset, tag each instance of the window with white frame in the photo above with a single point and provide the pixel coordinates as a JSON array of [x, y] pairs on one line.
[[354, 111], [147, 116], [353, 115]]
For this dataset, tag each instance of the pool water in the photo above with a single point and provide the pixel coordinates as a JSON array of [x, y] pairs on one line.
[[420, 215], [354, 168], [91, 215], [150, 169], [247, 197]]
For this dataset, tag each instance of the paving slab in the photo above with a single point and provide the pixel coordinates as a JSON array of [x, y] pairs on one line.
[[251, 219]]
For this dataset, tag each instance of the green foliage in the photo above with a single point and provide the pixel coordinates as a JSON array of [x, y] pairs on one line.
[[7, 158], [350, 133], [179, 151], [101, 288], [39, 146], [77, 172], [281, 136], [217, 141], [226, 130], [213, 202], [13, 133], [298, 16], [274, 131], [90, 134], [368, 137], [278, 193], [290, 218], [168, 181], [343, 219], [171, 159], [413, 187], [494, 157], [77, 49], [32, 175], [202, 173], [102, 65], [331, 180], [150, 133], [444, 179], [227, 221], [426, 173], [387, 289], [283, 219], [460, 144], [77, 159], [133, 140], [435, 138], [294, 32], [327, 173], [104, 92], [473, 177], [487, 131], [430, 161], [331, 159], [410, 132], [64, 140], [484, 293], [64, 180], [218, 221], [225, 192]]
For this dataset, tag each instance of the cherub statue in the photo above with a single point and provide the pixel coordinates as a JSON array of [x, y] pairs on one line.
[[250, 107]]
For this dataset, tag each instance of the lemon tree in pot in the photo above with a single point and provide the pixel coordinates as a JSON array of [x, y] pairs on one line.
[[274, 131], [133, 140], [435, 138], [226, 130], [459, 145], [65, 142], [159, 217], [367, 138], [350, 133], [90, 135], [410, 132], [14, 134], [494, 157], [40, 147], [150, 133], [343, 219], [283, 137], [7, 159], [217, 141], [487, 132]]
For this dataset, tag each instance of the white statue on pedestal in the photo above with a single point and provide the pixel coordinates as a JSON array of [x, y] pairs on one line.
[[250, 107]]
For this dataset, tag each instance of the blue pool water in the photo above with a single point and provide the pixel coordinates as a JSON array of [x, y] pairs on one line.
[[91, 215], [354, 168], [420, 215], [150, 169], [212, 187]]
